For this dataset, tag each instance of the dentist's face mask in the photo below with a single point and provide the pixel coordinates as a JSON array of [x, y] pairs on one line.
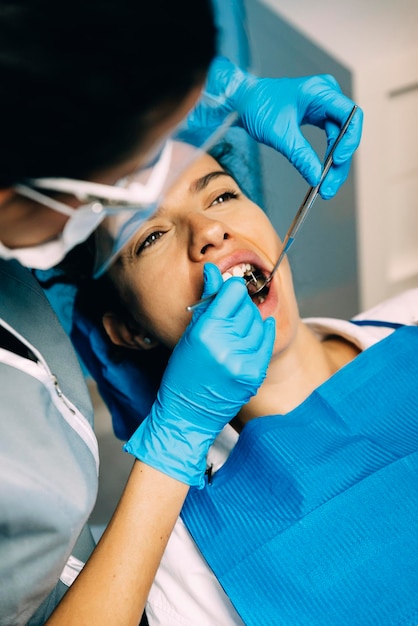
[[122, 207], [133, 194]]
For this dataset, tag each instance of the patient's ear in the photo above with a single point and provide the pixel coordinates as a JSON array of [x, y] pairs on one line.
[[127, 335]]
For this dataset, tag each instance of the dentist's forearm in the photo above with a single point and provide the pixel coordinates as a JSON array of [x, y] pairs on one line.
[[114, 584]]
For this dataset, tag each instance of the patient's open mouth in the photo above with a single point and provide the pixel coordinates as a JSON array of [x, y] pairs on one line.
[[253, 277]]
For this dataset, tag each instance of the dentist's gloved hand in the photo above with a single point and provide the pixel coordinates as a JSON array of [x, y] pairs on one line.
[[217, 366], [272, 111]]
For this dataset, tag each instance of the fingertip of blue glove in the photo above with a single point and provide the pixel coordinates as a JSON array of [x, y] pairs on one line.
[[210, 269], [351, 140], [270, 328], [271, 323], [212, 278], [328, 192], [311, 169], [335, 179], [236, 284]]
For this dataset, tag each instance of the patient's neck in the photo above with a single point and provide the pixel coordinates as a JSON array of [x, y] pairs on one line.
[[296, 372]]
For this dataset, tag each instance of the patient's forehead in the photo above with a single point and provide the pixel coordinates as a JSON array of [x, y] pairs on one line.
[[185, 156], [184, 152]]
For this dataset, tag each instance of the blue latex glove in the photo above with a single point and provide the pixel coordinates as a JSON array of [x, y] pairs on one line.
[[217, 366], [272, 111]]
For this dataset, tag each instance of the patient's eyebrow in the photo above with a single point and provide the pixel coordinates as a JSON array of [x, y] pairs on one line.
[[195, 186], [201, 183]]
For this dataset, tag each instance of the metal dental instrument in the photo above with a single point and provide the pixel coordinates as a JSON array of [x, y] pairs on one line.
[[297, 222]]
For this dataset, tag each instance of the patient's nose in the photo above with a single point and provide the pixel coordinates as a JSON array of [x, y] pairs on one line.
[[205, 234]]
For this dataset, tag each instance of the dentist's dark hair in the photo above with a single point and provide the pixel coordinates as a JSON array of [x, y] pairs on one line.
[[82, 81]]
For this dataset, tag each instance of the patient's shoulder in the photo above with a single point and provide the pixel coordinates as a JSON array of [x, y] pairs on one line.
[[401, 308]]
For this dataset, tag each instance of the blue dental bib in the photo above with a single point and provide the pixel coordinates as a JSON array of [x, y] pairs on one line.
[[313, 519]]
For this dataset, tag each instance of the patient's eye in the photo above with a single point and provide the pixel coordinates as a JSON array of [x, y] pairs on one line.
[[225, 197], [149, 240]]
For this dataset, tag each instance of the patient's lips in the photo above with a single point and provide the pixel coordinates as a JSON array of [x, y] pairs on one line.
[[253, 277]]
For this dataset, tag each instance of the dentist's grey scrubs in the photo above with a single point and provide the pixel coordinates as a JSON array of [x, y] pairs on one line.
[[48, 454]]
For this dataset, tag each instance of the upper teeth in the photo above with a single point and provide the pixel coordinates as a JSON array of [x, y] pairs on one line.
[[238, 270]]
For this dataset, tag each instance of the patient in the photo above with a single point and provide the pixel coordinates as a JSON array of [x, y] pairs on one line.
[[309, 514]]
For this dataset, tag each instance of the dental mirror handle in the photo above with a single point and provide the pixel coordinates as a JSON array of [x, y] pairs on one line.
[[192, 307], [309, 199]]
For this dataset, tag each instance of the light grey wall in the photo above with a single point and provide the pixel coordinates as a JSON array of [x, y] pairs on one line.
[[323, 258]]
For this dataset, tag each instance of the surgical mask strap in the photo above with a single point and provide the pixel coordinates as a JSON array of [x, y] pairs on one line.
[[55, 205]]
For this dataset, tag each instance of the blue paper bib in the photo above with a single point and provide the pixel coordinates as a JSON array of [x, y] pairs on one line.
[[313, 519]]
